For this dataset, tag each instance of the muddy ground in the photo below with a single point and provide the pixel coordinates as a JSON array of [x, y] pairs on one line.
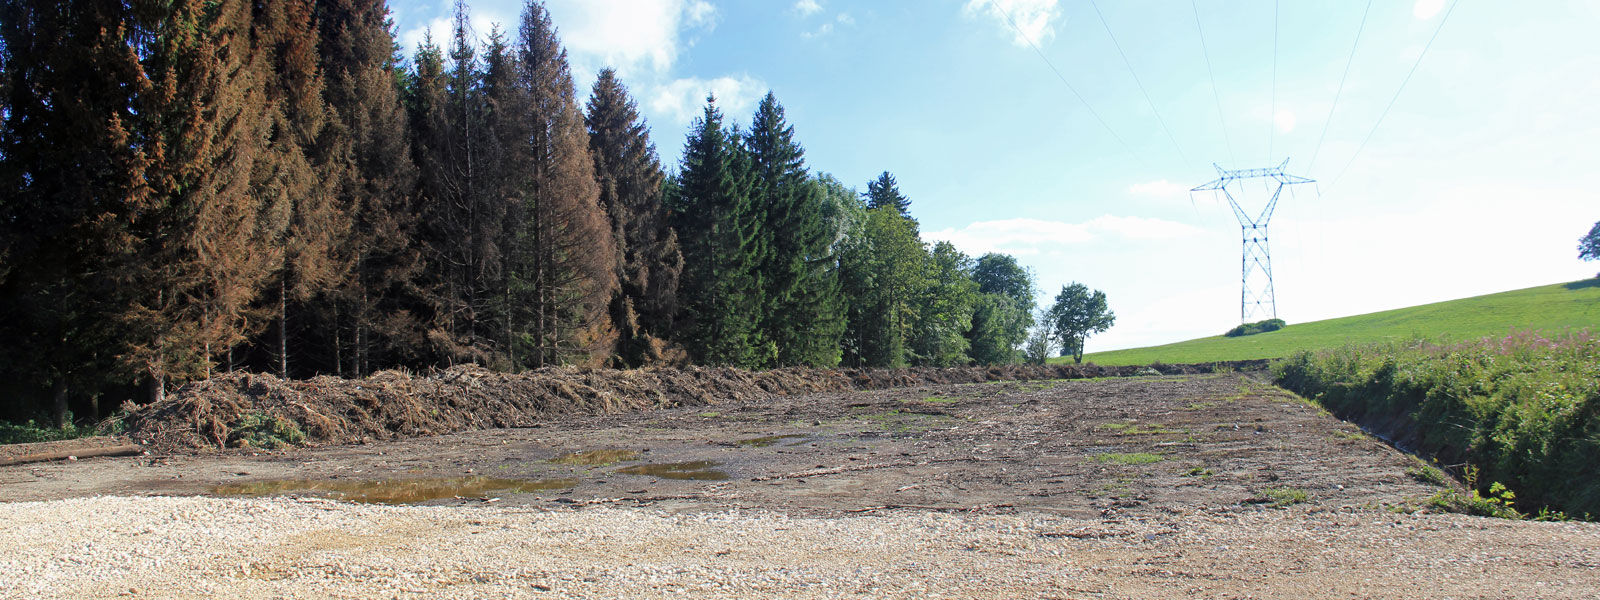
[[1092, 448]]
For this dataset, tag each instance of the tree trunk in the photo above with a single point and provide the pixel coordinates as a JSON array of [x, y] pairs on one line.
[[157, 386], [58, 391], [283, 329], [338, 357]]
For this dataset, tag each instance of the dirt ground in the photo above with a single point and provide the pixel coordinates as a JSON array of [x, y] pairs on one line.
[[1078, 448], [1129, 487]]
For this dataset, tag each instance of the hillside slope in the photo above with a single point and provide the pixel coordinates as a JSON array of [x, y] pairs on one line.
[[1557, 307]]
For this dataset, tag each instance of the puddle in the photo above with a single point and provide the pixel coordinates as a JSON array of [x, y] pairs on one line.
[[393, 491], [698, 470], [762, 442], [596, 457]]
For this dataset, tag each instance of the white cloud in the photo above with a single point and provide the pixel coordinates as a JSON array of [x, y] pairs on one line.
[[1426, 9], [1031, 237], [637, 37], [807, 8], [682, 99], [479, 23], [1160, 188], [825, 29], [844, 18], [1141, 228], [1026, 20], [1284, 120]]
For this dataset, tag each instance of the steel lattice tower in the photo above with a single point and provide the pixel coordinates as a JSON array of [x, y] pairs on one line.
[[1256, 262]]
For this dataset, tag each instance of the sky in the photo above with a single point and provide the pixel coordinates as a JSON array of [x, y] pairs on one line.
[[1450, 161]]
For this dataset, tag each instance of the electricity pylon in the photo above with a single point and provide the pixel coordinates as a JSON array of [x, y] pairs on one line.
[[1256, 262]]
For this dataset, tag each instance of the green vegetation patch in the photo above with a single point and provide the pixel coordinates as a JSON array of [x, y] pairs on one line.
[[1524, 408], [1256, 327], [261, 430], [1136, 458], [1280, 497], [30, 432], [1550, 308]]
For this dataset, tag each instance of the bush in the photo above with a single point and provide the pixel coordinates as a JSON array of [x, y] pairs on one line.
[[261, 430], [1256, 327], [1524, 408]]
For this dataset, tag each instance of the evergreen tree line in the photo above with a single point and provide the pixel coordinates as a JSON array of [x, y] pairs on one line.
[[188, 186]]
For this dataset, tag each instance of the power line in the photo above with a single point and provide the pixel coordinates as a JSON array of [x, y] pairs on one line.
[[1336, 94], [1214, 94], [1396, 97], [1053, 69], [1136, 80], [1272, 117]]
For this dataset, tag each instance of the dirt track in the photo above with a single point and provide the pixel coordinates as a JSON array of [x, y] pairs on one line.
[[1148, 455]]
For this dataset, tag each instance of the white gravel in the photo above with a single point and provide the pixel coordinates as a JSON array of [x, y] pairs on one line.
[[193, 547]]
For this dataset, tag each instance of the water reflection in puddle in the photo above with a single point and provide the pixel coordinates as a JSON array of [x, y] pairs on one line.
[[596, 457], [762, 442], [698, 470], [393, 491]]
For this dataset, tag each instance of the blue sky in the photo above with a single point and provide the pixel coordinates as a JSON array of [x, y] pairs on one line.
[[1480, 177]]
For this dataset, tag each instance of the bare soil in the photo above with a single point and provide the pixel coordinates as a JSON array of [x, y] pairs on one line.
[[1178, 486], [1080, 448]]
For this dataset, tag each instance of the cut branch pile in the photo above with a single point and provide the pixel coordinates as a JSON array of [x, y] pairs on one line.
[[213, 414]]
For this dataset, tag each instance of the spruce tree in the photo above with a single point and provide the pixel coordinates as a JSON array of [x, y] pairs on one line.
[[631, 188], [371, 160], [71, 184], [718, 228], [206, 247], [296, 178], [884, 191], [570, 256], [460, 240], [801, 314]]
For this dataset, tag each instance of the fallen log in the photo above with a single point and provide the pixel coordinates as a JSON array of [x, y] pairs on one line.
[[73, 453]]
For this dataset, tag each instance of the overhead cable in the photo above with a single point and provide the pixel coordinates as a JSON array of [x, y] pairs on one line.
[[1396, 97], [1064, 81], [1340, 91], [1136, 80], [1214, 93]]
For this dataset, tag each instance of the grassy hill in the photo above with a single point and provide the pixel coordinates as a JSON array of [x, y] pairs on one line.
[[1549, 308]]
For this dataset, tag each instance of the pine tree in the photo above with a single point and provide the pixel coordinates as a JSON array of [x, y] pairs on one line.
[[884, 191], [371, 160], [571, 251], [718, 229], [801, 314], [631, 188]]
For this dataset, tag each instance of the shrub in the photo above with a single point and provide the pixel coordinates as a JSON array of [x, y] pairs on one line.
[[1256, 327], [1524, 408]]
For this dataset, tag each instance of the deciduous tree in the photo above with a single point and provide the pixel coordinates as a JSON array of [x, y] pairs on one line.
[[1076, 315]]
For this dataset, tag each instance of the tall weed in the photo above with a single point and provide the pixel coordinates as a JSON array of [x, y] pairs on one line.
[[1524, 407]]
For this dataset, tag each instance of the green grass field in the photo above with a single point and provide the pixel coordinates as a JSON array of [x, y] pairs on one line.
[[1556, 307]]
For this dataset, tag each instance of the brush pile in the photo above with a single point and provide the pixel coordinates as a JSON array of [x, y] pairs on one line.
[[256, 410]]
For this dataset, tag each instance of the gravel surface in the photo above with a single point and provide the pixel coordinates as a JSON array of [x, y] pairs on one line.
[[196, 547]]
